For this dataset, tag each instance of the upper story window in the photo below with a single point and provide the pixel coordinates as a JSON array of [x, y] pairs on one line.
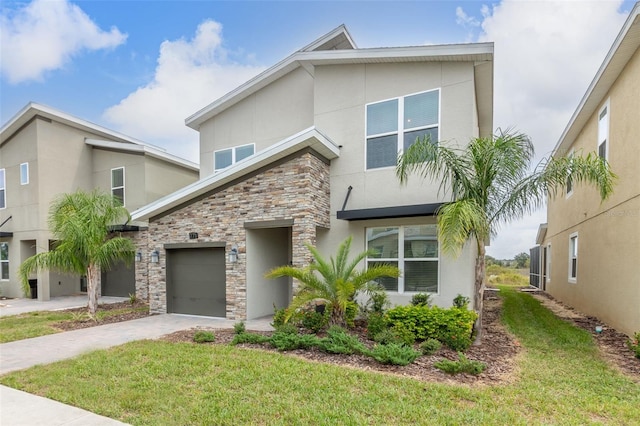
[[4, 261], [24, 173], [573, 257], [117, 184], [395, 124], [3, 190], [413, 249], [603, 131], [227, 157]]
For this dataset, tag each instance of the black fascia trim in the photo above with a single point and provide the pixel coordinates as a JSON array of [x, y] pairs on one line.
[[390, 212], [6, 234], [124, 228]]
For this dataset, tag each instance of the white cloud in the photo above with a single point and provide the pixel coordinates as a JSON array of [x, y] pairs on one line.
[[546, 54], [44, 35], [190, 74]]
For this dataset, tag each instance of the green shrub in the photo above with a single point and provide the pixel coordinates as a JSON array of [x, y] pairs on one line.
[[451, 326], [399, 335], [421, 299], [461, 302], [462, 365], [338, 341], [430, 346], [287, 328], [239, 327], [375, 324], [133, 298], [378, 301], [315, 321], [203, 336], [634, 344], [288, 341], [278, 316], [252, 338], [394, 354], [350, 314]]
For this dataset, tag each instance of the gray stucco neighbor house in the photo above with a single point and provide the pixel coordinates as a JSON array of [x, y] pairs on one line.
[[305, 153]]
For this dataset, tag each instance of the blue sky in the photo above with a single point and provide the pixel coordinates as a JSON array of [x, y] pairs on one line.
[[142, 67]]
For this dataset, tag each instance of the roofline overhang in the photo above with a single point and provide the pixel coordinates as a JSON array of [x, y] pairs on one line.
[[309, 138], [542, 233], [618, 56], [390, 212], [143, 150], [474, 52]]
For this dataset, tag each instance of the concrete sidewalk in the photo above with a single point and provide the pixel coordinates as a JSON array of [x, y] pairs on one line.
[[20, 306], [55, 347]]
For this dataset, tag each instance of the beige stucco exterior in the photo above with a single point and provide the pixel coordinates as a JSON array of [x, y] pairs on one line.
[[607, 284], [61, 161]]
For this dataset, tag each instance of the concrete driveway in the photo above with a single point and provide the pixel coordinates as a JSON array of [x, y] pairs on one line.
[[20, 306]]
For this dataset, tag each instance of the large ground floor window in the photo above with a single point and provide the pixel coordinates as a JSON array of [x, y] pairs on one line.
[[413, 249], [4, 261]]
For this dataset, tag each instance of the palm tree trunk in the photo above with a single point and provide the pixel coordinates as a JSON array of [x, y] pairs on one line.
[[92, 288], [479, 291]]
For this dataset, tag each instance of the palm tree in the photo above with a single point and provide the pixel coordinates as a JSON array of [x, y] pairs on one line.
[[490, 184], [79, 223], [337, 281]]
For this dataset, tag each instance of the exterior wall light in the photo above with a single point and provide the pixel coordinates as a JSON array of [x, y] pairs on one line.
[[155, 256], [233, 255], [138, 256]]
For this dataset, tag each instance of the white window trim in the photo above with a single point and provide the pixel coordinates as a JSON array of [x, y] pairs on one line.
[[233, 155], [606, 106], [570, 278], [3, 188], [22, 181], [401, 260], [569, 193], [401, 129], [548, 260], [124, 190], [5, 261]]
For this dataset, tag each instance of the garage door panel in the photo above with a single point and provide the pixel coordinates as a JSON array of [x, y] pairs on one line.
[[196, 281]]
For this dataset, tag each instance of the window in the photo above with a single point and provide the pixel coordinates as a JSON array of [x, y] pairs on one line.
[[24, 173], [4, 261], [413, 249], [603, 131], [3, 190], [227, 157], [573, 257], [395, 124], [569, 190], [117, 184]]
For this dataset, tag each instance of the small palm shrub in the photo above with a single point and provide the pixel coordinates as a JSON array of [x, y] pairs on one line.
[[430, 346], [204, 336], [394, 354], [462, 365], [634, 344]]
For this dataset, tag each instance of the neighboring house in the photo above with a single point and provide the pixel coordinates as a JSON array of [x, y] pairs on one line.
[[305, 153], [45, 152], [588, 253]]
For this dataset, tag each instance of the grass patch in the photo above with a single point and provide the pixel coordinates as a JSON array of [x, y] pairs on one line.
[[561, 380], [41, 323]]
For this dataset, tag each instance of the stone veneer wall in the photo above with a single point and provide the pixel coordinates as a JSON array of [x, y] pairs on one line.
[[297, 189]]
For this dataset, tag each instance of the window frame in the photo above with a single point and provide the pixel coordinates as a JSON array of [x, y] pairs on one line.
[[3, 189], [24, 173], [400, 260], [123, 187], [573, 255], [400, 128], [606, 109], [233, 150], [4, 262]]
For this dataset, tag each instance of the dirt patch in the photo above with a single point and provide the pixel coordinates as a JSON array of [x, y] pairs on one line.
[[612, 343], [84, 321], [498, 350]]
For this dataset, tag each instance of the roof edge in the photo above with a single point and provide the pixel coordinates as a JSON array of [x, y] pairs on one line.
[[143, 149]]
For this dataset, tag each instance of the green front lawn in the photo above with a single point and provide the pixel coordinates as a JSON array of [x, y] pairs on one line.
[[559, 380], [41, 323]]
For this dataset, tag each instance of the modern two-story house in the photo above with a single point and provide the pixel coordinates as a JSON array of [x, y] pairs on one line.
[[305, 153], [45, 152], [589, 251]]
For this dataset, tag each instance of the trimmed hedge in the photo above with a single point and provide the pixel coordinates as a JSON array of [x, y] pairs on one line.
[[452, 327]]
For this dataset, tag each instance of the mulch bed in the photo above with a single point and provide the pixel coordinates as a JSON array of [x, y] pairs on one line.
[[498, 350], [86, 321]]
